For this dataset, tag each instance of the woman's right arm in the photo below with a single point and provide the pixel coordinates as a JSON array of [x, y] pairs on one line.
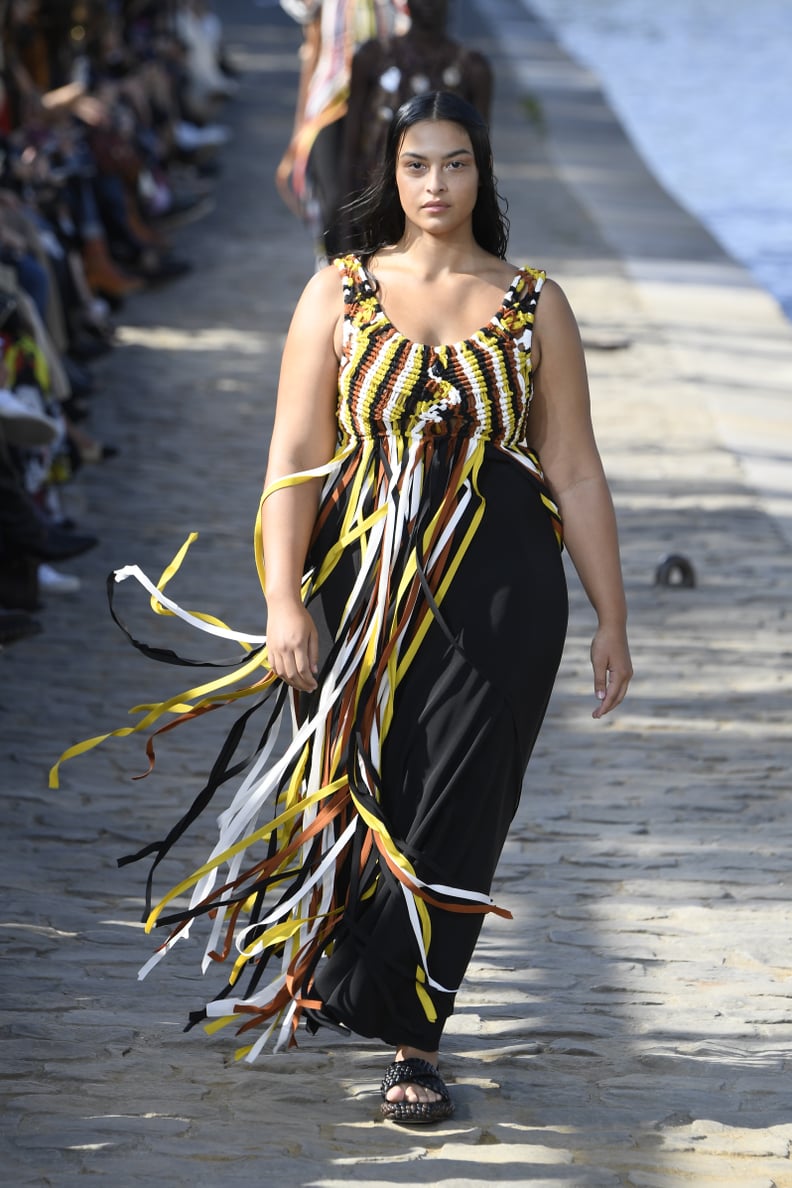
[[304, 436]]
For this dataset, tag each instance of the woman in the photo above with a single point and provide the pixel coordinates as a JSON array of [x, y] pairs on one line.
[[440, 430], [416, 614]]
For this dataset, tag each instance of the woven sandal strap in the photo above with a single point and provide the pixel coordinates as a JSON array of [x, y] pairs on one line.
[[417, 1072]]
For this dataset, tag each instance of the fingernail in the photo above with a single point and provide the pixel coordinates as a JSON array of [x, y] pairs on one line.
[[601, 694]]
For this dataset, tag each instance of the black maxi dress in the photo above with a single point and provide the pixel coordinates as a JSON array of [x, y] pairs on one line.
[[352, 873]]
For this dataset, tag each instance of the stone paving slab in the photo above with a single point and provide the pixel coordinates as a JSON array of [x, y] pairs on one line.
[[632, 1025]]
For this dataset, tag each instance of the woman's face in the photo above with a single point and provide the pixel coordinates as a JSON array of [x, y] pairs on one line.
[[436, 176]]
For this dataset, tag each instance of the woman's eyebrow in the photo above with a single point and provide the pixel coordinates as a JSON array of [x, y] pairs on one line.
[[454, 153]]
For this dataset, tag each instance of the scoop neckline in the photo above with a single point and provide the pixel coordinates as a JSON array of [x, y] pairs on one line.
[[441, 346]]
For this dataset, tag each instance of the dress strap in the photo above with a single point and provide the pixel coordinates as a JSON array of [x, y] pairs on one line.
[[355, 280], [527, 286], [520, 304]]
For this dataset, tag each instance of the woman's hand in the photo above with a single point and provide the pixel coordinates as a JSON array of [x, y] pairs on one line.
[[292, 644], [610, 659]]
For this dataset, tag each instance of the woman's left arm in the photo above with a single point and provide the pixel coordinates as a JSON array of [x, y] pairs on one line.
[[560, 430]]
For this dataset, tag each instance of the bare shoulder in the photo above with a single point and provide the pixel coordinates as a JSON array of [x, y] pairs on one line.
[[553, 293], [555, 334], [324, 285], [554, 313], [322, 301]]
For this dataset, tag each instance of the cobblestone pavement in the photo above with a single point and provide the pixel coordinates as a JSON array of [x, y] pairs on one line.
[[632, 1025]]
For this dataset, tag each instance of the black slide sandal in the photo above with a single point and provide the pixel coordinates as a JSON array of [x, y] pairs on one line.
[[416, 1072]]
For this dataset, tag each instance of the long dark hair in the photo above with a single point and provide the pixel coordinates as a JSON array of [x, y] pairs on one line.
[[377, 216]]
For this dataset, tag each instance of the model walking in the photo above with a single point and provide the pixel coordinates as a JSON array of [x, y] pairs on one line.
[[416, 616]]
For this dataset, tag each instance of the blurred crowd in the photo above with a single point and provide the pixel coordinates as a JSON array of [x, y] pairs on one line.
[[108, 141]]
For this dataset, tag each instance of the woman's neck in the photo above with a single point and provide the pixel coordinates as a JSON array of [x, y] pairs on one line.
[[432, 255]]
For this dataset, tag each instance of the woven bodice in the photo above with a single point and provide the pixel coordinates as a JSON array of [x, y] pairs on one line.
[[479, 388]]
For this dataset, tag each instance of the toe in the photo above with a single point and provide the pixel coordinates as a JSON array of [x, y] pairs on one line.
[[410, 1092]]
